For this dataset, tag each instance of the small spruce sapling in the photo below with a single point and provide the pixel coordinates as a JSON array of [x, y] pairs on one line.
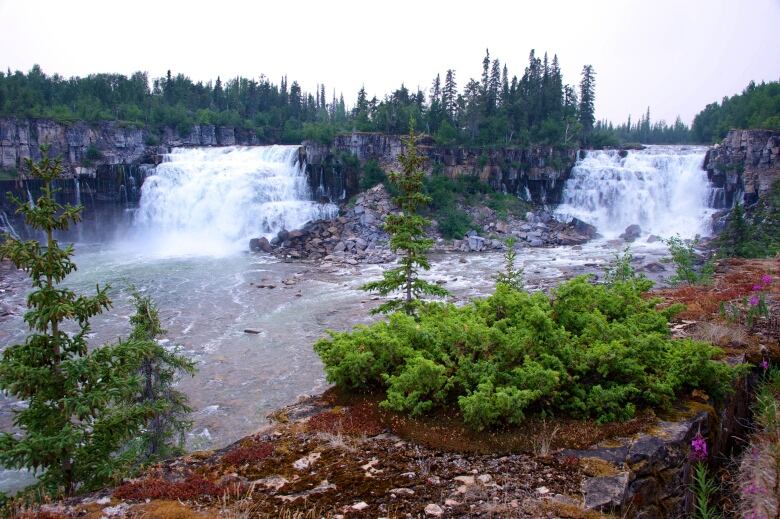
[[512, 276], [160, 369], [407, 237]]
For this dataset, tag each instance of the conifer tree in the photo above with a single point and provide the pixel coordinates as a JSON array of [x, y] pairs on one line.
[[449, 94], [587, 101], [82, 406], [160, 369], [407, 237]]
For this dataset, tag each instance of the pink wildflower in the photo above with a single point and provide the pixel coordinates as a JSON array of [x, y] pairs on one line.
[[757, 288], [764, 364], [753, 300], [698, 448], [766, 279]]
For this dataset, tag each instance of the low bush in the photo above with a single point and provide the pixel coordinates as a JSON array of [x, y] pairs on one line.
[[586, 351]]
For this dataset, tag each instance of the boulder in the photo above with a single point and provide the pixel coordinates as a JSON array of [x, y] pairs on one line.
[[476, 243], [583, 228], [260, 245], [653, 238], [654, 267], [631, 233]]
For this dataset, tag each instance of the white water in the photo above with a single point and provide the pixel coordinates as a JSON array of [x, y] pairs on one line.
[[211, 201], [663, 189]]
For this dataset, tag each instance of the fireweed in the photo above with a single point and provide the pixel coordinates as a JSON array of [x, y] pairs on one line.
[[703, 486]]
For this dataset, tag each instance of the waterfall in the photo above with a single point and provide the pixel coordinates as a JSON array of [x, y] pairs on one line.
[[213, 200], [77, 190], [663, 189]]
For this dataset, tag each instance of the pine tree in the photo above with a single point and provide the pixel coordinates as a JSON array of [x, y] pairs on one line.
[[587, 101], [511, 276], [495, 85], [449, 94], [485, 73], [407, 237], [159, 371], [82, 406]]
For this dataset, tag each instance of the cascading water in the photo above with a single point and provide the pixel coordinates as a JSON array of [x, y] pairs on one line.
[[213, 200], [663, 189]]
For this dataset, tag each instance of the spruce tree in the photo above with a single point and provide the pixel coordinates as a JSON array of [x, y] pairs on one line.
[[160, 369], [587, 101], [449, 94], [407, 237], [82, 406]]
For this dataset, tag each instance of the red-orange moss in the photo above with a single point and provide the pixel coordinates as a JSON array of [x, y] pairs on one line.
[[249, 452]]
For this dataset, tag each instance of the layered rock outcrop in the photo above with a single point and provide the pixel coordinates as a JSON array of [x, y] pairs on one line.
[[536, 174], [747, 161], [84, 147]]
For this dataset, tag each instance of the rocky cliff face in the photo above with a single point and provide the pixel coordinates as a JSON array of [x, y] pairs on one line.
[[747, 161], [107, 160], [536, 174], [85, 148]]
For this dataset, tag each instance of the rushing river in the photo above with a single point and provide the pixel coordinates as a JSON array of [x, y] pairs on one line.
[[184, 252]]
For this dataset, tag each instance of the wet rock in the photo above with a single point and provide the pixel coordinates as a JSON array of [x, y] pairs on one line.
[[476, 243], [605, 493], [631, 233], [252, 331], [583, 228], [260, 245], [654, 267]]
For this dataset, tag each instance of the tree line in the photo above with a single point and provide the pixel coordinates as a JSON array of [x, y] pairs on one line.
[[758, 106], [536, 107], [495, 109]]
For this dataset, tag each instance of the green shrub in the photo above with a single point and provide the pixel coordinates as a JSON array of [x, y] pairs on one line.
[[371, 175], [755, 234], [684, 259], [586, 351]]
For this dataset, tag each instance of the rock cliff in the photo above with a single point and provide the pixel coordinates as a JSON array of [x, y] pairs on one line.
[[747, 161], [536, 173], [86, 147]]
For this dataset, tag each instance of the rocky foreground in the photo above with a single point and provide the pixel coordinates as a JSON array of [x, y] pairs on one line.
[[342, 456]]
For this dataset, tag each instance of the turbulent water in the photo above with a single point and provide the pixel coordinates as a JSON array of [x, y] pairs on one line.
[[663, 189], [213, 200]]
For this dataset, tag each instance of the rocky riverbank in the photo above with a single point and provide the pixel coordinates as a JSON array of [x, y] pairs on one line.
[[357, 235]]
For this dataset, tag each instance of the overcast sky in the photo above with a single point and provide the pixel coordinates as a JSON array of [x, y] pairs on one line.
[[673, 55]]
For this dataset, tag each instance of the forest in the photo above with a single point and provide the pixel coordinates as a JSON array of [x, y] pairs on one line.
[[497, 109], [758, 106]]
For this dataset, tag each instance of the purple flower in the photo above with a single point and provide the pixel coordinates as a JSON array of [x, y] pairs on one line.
[[766, 279], [698, 448], [764, 364], [757, 288], [753, 300]]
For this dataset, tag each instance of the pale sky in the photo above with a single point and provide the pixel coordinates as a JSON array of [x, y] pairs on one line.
[[673, 55]]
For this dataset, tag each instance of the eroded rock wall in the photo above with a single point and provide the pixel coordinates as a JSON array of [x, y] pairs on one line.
[[747, 161], [536, 174]]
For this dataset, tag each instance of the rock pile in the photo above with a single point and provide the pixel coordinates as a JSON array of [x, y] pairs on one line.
[[540, 229], [356, 236]]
